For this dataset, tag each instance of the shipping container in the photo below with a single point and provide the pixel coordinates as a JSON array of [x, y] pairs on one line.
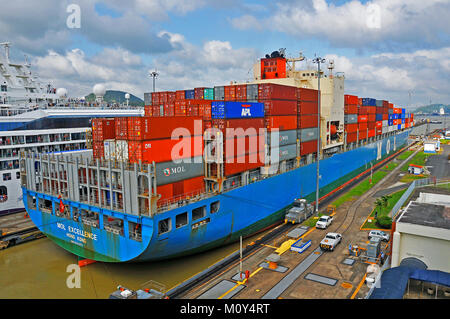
[[350, 99], [148, 110], [180, 95], [226, 109], [352, 137], [188, 187], [280, 107], [362, 126], [351, 128], [241, 92], [219, 93], [189, 94], [149, 128], [244, 163], [371, 125], [121, 128], [282, 122], [371, 117], [385, 123], [378, 130], [269, 91], [307, 121], [171, 172], [308, 134], [155, 98], [103, 129], [304, 94], [282, 153], [368, 102], [98, 149], [350, 109], [283, 137], [121, 150], [164, 150], [350, 118], [362, 134], [147, 98], [308, 147], [363, 118], [238, 146], [379, 102], [252, 92], [230, 93], [208, 94], [198, 93], [241, 126], [307, 108], [109, 149], [371, 132]]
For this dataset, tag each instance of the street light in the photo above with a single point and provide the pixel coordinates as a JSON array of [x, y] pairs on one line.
[[154, 75], [318, 60]]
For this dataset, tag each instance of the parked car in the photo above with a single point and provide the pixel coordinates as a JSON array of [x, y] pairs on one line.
[[379, 234], [330, 241], [324, 222]]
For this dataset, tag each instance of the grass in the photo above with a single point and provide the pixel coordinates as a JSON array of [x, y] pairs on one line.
[[390, 166], [419, 159], [404, 155], [383, 211], [444, 186], [311, 222], [444, 141], [360, 189], [410, 177]]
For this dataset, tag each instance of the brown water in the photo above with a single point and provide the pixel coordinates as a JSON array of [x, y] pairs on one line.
[[37, 269]]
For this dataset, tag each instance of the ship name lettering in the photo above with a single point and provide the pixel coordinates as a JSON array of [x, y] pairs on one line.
[[82, 233], [61, 226]]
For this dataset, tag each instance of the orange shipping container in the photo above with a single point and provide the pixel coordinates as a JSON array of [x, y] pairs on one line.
[[362, 126], [371, 132], [379, 124], [230, 92], [304, 94], [351, 109], [103, 129], [363, 118], [351, 137], [307, 107], [350, 99], [121, 127], [283, 123], [241, 92], [150, 128], [351, 128], [362, 134], [308, 147], [307, 121]]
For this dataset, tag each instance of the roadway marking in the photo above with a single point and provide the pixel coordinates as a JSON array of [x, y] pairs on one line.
[[359, 287]]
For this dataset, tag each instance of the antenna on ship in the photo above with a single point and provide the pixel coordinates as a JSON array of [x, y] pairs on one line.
[[6, 45], [318, 60], [154, 75]]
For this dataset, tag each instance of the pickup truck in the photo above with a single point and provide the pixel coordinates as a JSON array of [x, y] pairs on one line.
[[330, 241], [324, 222]]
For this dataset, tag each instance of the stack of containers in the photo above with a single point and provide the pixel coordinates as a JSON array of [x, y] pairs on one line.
[[351, 117], [240, 117], [379, 117], [307, 114], [280, 113], [102, 129], [403, 117], [368, 107], [391, 117], [397, 118]]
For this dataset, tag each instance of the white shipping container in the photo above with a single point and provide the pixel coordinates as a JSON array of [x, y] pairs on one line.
[[403, 126], [121, 150], [390, 128], [385, 123], [384, 129], [109, 149]]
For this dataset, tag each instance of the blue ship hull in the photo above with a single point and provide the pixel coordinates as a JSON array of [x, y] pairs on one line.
[[242, 212]]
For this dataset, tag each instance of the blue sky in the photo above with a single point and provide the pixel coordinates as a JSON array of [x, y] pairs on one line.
[[386, 48]]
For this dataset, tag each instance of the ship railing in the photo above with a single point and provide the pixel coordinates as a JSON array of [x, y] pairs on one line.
[[182, 200], [90, 222], [135, 235], [113, 229]]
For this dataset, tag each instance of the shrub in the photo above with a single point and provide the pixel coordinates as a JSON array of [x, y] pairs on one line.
[[384, 222]]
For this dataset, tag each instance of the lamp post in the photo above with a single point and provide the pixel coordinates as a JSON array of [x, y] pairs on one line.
[[154, 75], [318, 60]]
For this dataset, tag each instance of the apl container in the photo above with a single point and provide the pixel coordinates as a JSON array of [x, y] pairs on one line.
[[229, 110], [171, 172]]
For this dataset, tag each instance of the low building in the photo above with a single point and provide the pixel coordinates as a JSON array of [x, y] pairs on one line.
[[422, 233], [415, 169], [431, 146]]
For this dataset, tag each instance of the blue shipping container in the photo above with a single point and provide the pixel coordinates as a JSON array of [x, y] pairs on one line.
[[403, 121], [366, 101], [189, 94], [403, 111], [399, 127], [390, 122], [378, 117], [236, 110]]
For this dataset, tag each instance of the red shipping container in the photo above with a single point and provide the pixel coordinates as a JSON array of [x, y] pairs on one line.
[[241, 92], [379, 124], [307, 107], [155, 98], [244, 124], [230, 93], [372, 117], [250, 161], [385, 104], [148, 110], [371, 109], [307, 121], [207, 124], [385, 117], [379, 130], [351, 109], [103, 129], [188, 187], [362, 134], [163, 97], [149, 128], [270, 91], [156, 111], [304, 94], [371, 132], [166, 192], [371, 125], [283, 123], [280, 107], [198, 93], [350, 99], [308, 147], [362, 126], [363, 110], [121, 127], [397, 110], [351, 128], [239, 146], [180, 95], [98, 150], [161, 150], [379, 110], [352, 137], [180, 107], [363, 118]]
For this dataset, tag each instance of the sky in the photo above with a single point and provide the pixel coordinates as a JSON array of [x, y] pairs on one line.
[[398, 50]]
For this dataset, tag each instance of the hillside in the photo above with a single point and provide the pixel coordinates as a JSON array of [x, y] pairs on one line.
[[432, 108], [112, 96]]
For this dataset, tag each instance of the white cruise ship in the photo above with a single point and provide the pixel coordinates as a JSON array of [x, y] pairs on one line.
[[38, 117]]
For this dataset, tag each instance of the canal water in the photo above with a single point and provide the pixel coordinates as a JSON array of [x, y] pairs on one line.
[[38, 269]]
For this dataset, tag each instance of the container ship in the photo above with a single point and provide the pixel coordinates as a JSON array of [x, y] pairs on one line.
[[205, 166]]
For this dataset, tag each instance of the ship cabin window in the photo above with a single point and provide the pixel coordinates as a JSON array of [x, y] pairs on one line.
[[181, 220], [7, 176], [164, 226], [215, 206], [3, 194], [4, 88], [17, 175], [198, 212]]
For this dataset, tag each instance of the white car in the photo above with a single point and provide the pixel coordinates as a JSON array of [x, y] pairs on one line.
[[379, 234], [330, 241], [324, 222]]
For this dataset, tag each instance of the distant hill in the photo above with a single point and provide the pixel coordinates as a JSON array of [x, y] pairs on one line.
[[112, 96], [432, 108]]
